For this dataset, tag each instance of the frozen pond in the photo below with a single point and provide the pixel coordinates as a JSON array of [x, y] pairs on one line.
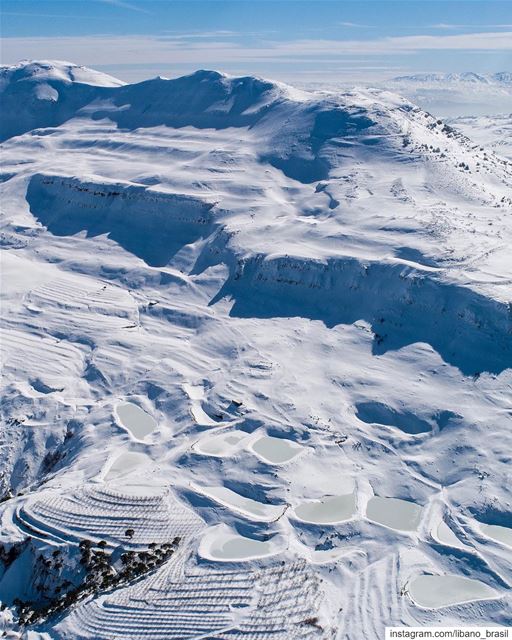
[[498, 533], [434, 592], [276, 450], [125, 463], [252, 509], [227, 546], [445, 535], [138, 422], [394, 513], [222, 444], [327, 511]]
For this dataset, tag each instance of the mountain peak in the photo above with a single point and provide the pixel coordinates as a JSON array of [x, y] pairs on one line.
[[55, 71]]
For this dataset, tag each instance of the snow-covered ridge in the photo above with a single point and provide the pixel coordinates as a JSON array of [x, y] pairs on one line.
[[469, 330], [205, 99], [39, 71], [45, 93], [147, 222], [303, 134], [503, 77]]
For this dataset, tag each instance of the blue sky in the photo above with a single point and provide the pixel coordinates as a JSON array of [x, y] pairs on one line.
[[293, 40]]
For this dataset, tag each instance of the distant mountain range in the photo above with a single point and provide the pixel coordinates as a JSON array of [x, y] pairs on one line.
[[502, 77]]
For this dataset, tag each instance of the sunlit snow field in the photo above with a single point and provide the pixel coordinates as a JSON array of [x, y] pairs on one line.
[[271, 324]]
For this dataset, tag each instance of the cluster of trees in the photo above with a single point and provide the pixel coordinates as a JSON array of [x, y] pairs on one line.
[[99, 574]]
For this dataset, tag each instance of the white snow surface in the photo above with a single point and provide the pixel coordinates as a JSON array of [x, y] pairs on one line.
[[240, 258], [493, 132]]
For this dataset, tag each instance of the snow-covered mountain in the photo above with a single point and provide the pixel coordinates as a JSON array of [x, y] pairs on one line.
[[502, 77], [45, 93], [257, 351]]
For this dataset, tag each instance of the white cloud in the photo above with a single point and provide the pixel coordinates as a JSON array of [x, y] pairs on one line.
[[355, 25], [500, 40], [444, 25], [125, 5], [143, 49]]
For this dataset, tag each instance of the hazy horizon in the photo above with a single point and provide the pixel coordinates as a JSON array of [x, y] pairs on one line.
[[291, 41]]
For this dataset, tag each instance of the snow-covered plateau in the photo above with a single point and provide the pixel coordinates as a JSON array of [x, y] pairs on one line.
[[257, 361]]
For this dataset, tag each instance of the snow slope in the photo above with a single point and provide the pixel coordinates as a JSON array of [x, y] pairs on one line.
[[245, 261], [494, 132]]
